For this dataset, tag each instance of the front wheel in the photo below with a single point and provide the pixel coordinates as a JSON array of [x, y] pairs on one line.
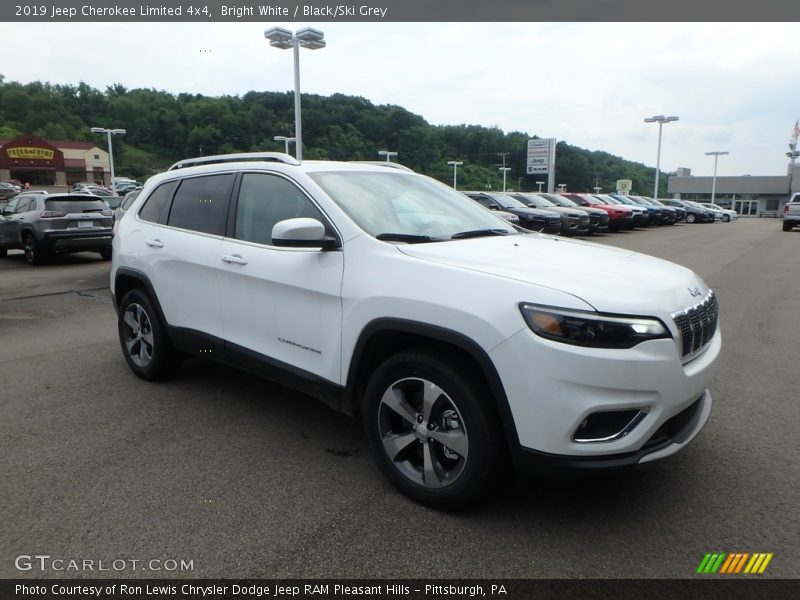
[[726, 218], [690, 218], [433, 429], [143, 338]]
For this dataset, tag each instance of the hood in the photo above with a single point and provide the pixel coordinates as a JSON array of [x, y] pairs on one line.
[[610, 279]]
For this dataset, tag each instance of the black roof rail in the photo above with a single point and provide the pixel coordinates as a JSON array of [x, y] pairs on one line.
[[240, 157]]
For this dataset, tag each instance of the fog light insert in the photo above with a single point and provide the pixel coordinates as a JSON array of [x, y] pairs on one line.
[[607, 426]]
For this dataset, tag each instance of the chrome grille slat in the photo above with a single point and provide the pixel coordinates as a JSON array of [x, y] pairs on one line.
[[697, 325]]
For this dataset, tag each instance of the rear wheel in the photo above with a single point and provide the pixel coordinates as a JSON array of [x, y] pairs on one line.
[[787, 225], [143, 338], [433, 430], [3, 252], [34, 253]]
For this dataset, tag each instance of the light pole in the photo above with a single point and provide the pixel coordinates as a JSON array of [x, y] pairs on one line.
[[387, 154], [562, 188], [505, 171], [313, 39], [285, 140], [540, 184], [456, 164], [716, 156], [109, 133], [660, 119]]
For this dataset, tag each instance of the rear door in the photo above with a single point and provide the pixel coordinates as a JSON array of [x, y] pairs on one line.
[[181, 229], [280, 305]]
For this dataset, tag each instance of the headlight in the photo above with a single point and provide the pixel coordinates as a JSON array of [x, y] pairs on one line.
[[583, 328]]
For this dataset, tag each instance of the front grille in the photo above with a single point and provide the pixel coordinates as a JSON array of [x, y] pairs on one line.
[[697, 325], [554, 220], [595, 219], [604, 219], [584, 219]]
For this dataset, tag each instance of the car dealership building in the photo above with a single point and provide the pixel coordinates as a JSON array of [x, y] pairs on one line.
[[749, 195], [31, 159]]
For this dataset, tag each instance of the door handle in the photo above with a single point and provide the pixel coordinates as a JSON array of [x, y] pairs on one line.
[[233, 258], [154, 243]]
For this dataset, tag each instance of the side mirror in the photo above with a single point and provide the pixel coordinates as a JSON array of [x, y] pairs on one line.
[[302, 233]]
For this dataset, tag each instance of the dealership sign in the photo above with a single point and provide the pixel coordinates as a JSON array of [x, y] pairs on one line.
[[30, 152], [541, 156]]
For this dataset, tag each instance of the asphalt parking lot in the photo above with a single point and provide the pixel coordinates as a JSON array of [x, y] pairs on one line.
[[247, 479]]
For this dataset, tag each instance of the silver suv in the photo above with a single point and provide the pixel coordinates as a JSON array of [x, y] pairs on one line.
[[791, 213], [46, 224]]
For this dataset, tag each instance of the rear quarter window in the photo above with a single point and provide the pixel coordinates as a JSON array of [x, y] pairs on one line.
[[156, 206]]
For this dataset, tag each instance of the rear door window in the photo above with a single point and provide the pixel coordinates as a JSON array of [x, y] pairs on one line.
[[201, 204]]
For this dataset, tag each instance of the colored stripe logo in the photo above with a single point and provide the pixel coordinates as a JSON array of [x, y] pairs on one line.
[[734, 563]]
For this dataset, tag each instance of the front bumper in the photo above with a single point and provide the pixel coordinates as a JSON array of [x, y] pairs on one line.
[[552, 388]]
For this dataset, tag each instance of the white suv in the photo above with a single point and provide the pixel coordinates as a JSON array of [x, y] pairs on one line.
[[461, 343]]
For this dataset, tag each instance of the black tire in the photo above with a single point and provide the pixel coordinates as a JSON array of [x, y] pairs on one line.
[[690, 218], [3, 252], [34, 253], [787, 226], [150, 358], [105, 253], [726, 218], [460, 411]]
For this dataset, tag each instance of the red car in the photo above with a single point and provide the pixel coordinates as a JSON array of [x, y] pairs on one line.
[[620, 217]]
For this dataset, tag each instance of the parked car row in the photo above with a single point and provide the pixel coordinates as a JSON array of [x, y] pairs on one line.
[[583, 214]]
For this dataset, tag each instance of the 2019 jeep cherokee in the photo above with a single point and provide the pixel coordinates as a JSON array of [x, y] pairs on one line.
[[459, 341]]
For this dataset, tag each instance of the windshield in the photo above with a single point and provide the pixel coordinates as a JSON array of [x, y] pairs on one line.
[[540, 201], [401, 207], [560, 200]]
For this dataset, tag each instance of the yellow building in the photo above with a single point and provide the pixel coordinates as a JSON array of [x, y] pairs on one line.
[[30, 159]]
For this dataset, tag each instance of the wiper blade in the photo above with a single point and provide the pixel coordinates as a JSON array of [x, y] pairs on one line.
[[478, 233], [411, 238]]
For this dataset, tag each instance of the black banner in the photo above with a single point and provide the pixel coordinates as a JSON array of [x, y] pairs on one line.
[[733, 588], [397, 10]]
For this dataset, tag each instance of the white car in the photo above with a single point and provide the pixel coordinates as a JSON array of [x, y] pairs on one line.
[[726, 215], [462, 344]]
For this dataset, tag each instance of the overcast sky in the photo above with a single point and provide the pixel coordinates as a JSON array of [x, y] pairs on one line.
[[735, 87]]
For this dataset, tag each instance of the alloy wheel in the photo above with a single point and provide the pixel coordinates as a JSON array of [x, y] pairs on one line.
[[422, 432], [138, 335]]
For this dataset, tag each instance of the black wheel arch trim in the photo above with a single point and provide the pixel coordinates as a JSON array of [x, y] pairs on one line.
[[145, 281], [440, 334]]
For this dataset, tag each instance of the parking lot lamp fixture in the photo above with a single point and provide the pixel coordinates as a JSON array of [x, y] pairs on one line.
[[716, 155], [387, 154], [505, 171], [109, 133], [286, 141], [540, 184], [456, 164], [660, 119], [313, 39]]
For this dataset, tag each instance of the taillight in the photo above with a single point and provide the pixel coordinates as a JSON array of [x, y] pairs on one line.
[[786, 208], [52, 214]]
